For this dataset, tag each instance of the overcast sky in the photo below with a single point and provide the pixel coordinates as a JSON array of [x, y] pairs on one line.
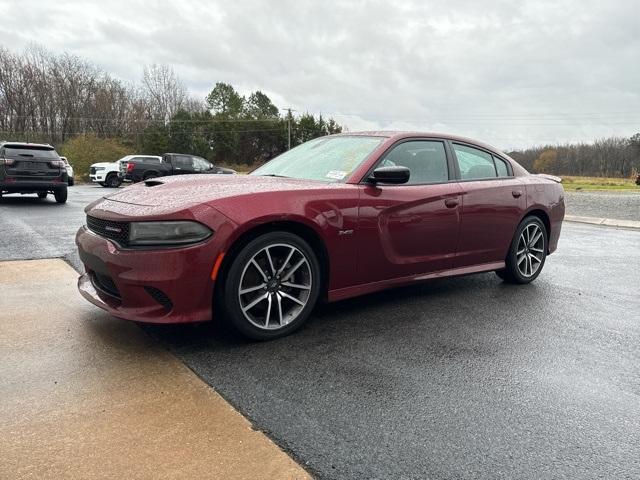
[[511, 73]]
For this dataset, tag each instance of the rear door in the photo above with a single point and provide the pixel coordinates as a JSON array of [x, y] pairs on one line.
[[493, 202], [31, 162], [410, 229]]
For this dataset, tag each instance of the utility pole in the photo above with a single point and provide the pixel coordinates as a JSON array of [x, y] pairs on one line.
[[289, 117]]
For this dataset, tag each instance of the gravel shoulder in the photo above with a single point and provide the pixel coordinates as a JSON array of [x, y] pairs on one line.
[[618, 205]]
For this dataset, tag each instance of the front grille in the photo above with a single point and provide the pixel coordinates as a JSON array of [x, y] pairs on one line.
[[118, 231], [160, 297], [105, 284]]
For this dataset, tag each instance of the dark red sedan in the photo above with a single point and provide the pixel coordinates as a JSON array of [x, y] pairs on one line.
[[336, 217]]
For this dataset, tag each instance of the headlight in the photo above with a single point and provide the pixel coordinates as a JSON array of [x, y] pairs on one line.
[[167, 233]]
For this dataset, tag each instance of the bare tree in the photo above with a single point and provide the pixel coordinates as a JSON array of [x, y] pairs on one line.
[[165, 92]]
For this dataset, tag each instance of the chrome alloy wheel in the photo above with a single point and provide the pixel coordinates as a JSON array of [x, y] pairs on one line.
[[275, 286], [530, 253]]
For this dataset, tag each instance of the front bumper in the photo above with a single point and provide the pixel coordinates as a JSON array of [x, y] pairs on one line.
[[98, 177], [153, 286]]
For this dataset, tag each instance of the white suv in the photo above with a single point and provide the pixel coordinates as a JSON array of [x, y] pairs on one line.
[[106, 173]]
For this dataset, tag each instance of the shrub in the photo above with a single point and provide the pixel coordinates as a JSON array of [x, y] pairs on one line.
[[84, 150]]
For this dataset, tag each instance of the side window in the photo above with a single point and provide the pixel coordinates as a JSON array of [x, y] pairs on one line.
[[183, 161], [201, 165], [501, 167], [474, 163], [425, 159]]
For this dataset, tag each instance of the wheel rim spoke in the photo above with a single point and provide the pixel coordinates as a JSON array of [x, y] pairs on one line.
[[279, 309], [252, 289], [293, 285], [537, 236], [255, 302], [266, 318], [293, 269], [286, 295], [255, 264], [273, 270], [284, 264]]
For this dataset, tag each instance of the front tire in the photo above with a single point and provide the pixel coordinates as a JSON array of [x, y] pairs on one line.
[[61, 195], [112, 181], [272, 285], [527, 253]]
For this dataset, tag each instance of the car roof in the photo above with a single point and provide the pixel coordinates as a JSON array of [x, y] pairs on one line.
[[140, 155], [6, 143], [400, 135]]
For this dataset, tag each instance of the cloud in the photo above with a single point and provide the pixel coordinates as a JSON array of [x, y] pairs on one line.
[[511, 73]]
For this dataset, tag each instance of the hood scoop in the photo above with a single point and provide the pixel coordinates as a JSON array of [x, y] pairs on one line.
[[153, 183]]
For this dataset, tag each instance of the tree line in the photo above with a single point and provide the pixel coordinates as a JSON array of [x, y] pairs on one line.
[[78, 107], [607, 157], [68, 101]]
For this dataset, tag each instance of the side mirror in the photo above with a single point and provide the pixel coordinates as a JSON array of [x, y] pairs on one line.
[[394, 175]]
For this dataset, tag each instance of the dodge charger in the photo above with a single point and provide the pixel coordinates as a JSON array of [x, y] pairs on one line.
[[338, 216]]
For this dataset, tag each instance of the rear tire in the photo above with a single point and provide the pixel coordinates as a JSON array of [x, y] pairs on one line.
[[61, 195], [151, 175], [113, 181], [42, 194], [271, 286], [527, 253], [71, 182]]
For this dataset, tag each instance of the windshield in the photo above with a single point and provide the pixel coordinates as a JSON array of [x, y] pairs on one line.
[[18, 151], [327, 159]]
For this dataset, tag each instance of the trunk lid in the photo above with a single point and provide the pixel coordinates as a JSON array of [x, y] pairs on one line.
[[553, 178], [32, 162]]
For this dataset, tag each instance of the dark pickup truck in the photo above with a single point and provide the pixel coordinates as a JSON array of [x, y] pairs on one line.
[[144, 168]]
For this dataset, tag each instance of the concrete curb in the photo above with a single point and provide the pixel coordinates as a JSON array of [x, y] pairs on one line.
[[608, 222]]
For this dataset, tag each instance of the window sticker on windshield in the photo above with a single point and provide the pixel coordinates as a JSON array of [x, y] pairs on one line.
[[336, 174]]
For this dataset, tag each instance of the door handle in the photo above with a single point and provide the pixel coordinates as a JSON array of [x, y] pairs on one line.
[[516, 193], [451, 202]]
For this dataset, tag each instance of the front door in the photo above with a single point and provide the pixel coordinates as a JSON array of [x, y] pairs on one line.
[[410, 229]]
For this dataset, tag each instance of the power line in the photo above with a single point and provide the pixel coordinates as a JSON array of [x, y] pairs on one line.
[[114, 119]]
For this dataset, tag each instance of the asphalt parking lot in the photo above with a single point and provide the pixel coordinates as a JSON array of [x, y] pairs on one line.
[[456, 378]]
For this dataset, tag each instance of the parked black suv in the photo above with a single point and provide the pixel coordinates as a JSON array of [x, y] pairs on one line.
[[141, 168], [32, 168]]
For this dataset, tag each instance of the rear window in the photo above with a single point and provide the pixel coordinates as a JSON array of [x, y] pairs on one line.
[[146, 159], [29, 151]]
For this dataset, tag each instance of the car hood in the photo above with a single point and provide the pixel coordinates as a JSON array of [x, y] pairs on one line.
[[104, 164], [183, 191]]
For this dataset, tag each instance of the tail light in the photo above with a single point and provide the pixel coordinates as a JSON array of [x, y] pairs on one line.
[[7, 161], [57, 163], [130, 167]]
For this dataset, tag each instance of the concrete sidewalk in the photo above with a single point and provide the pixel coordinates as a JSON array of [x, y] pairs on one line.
[[83, 395], [607, 222]]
